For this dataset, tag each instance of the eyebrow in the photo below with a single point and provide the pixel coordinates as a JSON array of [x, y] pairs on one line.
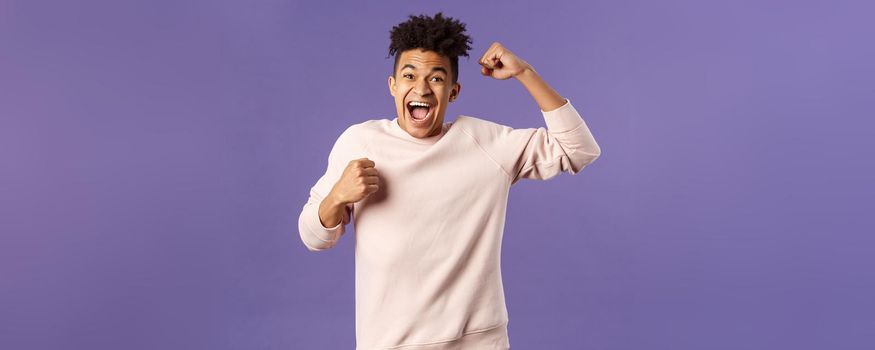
[[439, 69]]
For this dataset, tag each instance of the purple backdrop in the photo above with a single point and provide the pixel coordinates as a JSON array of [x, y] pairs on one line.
[[156, 155]]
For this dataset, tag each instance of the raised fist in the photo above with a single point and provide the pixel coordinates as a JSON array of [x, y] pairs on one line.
[[498, 62]]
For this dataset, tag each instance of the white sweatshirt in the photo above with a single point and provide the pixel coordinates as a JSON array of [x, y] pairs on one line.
[[428, 242]]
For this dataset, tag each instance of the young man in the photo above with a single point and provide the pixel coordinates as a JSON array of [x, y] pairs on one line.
[[429, 197]]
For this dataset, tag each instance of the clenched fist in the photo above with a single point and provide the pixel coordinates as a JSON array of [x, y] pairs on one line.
[[358, 180], [498, 62]]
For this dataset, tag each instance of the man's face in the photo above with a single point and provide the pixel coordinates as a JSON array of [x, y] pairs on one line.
[[424, 77]]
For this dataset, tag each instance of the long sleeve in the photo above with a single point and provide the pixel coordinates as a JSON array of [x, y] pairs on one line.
[[317, 237], [565, 145]]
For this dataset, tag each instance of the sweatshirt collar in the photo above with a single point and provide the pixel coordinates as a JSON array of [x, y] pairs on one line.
[[396, 129]]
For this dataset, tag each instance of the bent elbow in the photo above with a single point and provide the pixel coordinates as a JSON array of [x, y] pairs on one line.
[[317, 248], [312, 241], [591, 157], [582, 159]]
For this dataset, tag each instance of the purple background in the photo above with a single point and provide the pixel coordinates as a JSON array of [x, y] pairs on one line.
[[156, 155]]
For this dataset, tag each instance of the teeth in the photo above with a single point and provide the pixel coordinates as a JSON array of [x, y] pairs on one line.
[[419, 104]]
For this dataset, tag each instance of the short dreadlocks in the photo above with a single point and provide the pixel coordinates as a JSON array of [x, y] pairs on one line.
[[440, 34]]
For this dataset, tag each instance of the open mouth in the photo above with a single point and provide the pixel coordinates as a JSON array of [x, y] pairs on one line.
[[420, 111]]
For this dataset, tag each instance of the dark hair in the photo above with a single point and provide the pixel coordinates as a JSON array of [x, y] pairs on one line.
[[440, 34]]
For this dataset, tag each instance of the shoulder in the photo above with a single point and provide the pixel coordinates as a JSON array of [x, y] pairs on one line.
[[486, 131], [353, 141], [473, 123], [479, 128], [361, 131]]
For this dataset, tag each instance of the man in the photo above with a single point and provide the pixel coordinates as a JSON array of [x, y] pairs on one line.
[[429, 197]]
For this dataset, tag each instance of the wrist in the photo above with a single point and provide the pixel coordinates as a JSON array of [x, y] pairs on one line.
[[330, 211], [333, 202], [526, 75]]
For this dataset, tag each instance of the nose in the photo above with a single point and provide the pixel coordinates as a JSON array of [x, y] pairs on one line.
[[422, 88]]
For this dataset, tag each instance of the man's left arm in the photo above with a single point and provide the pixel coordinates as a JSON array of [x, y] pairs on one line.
[[538, 153]]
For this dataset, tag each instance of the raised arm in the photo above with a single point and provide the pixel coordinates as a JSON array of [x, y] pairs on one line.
[[565, 145]]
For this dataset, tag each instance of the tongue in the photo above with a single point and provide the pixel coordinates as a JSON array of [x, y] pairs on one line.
[[419, 113]]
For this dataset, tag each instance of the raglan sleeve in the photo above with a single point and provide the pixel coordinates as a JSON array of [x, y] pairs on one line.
[[566, 144], [315, 236]]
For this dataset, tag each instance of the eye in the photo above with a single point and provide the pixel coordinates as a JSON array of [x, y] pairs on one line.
[[408, 75], [437, 79]]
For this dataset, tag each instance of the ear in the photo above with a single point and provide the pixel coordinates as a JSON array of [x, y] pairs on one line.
[[454, 93], [392, 85]]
